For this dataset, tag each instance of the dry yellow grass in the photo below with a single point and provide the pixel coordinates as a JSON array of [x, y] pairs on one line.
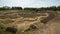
[[24, 19]]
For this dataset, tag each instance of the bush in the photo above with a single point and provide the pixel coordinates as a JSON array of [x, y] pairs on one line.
[[10, 29], [1, 26], [31, 28]]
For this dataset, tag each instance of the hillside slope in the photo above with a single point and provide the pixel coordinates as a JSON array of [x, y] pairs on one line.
[[52, 27]]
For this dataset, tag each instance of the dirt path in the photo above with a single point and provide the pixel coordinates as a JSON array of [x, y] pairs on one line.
[[27, 24], [52, 27]]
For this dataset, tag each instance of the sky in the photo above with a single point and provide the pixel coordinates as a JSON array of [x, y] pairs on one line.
[[30, 3]]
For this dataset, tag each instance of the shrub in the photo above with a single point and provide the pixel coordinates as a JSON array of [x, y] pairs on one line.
[[10, 29], [1, 26], [31, 28]]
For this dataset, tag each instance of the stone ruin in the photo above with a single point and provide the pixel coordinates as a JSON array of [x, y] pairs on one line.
[[50, 17]]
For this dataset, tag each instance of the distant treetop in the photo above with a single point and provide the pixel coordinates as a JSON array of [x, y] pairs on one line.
[[54, 8]]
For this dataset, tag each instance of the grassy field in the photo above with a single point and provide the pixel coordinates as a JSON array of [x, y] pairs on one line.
[[26, 21]]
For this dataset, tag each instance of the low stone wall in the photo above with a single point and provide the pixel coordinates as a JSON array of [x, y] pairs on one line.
[[50, 17]]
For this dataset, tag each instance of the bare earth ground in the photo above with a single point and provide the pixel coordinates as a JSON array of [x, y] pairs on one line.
[[24, 22], [52, 27]]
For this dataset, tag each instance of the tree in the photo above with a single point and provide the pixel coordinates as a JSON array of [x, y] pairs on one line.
[[30, 8], [53, 8], [5, 8], [16, 8], [58, 8]]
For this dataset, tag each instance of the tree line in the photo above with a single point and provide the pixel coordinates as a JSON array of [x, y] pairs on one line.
[[10, 8], [54, 8]]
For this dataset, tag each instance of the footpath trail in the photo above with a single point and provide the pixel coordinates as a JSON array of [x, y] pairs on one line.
[[27, 24], [52, 27]]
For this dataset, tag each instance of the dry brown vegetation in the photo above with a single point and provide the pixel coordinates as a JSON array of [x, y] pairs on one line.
[[30, 22]]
